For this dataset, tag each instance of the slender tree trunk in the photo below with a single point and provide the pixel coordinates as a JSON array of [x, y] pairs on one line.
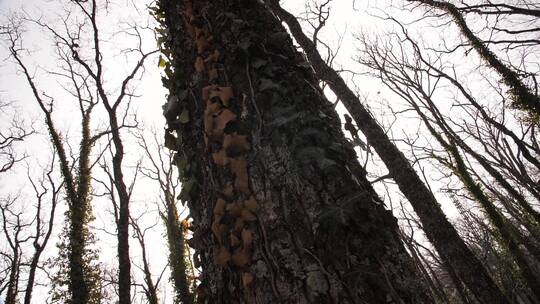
[[13, 281], [177, 253], [150, 288], [452, 249], [283, 212]]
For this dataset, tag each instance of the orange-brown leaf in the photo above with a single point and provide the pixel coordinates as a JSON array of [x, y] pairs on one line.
[[219, 230], [235, 209], [206, 91], [247, 238], [239, 224], [248, 216], [239, 169], [220, 158], [213, 58], [212, 108], [235, 241], [222, 256], [247, 279], [209, 122], [221, 121], [228, 191], [212, 74], [223, 93], [241, 257], [219, 208], [202, 44], [199, 64], [234, 144], [251, 204]]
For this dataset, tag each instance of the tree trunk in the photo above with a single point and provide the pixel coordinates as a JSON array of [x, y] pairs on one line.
[[282, 211], [457, 257], [13, 282], [177, 253]]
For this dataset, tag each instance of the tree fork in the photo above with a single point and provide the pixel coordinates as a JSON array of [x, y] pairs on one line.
[[281, 209]]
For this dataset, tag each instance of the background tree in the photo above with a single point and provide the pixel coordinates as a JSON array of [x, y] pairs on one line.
[[416, 77], [80, 70], [160, 168]]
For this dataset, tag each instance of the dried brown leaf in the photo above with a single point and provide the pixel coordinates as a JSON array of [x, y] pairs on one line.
[[241, 257], [247, 279], [219, 208], [219, 230], [247, 238], [222, 256], [235, 144], [199, 64], [235, 209], [251, 204], [235, 241], [220, 158], [248, 216], [239, 170]]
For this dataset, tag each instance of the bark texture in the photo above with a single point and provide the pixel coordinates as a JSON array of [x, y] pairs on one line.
[[457, 257], [282, 210]]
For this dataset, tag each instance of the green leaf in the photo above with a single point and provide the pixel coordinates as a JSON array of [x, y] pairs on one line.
[[257, 63], [170, 141], [162, 63], [185, 194], [184, 117], [182, 164], [268, 84]]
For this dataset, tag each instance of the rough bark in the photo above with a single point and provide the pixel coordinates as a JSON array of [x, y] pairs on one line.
[[282, 211], [452, 249]]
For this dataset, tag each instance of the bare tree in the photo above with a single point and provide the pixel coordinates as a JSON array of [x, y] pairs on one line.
[[78, 47], [27, 226], [415, 77], [160, 168], [16, 131], [523, 97]]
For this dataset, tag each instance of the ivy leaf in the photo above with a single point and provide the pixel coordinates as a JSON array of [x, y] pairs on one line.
[[170, 141], [268, 84], [257, 63], [184, 117], [171, 108], [181, 164], [162, 63], [185, 194]]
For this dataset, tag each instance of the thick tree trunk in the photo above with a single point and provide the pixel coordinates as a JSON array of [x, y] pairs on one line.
[[452, 249], [282, 210]]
